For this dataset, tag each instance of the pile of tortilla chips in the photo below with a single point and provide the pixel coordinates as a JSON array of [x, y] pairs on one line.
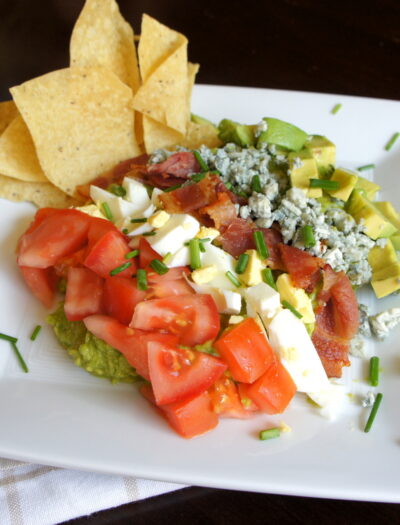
[[114, 102]]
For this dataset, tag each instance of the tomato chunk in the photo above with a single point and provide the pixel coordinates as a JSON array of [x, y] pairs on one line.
[[193, 318], [84, 295], [65, 263], [146, 253], [121, 295], [246, 350], [57, 235], [108, 253], [226, 401], [177, 373], [42, 283], [188, 418], [273, 391], [97, 228], [170, 283]]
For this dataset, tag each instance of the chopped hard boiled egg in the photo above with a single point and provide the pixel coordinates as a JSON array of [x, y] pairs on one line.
[[204, 275], [235, 319], [263, 300], [159, 219], [179, 258], [179, 229], [330, 399], [136, 193], [92, 210], [214, 256], [297, 297], [207, 233], [252, 275]]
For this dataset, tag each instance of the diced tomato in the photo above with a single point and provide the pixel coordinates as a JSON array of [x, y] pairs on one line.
[[42, 283], [226, 401], [304, 269], [247, 403], [193, 318], [170, 283], [121, 295], [59, 234], [84, 295], [132, 343], [107, 254], [99, 227], [273, 391], [75, 259], [188, 418], [171, 275], [246, 350], [146, 253], [178, 373]]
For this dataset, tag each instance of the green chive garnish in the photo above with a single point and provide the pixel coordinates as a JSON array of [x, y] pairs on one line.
[[194, 249], [8, 338], [269, 434], [242, 263], [214, 172], [159, 267], [132, 254], [336, 108], [202, 247], [256, 184], [324, 184], [141, 277], [374, 410], [35, 333], [118, 190], [148, 234], [268, 277], [20, 358], [233, 279], [107, 211], [167, 257], [200, 160], [391, 142], [172, 188], [228, 186], [240, 193], [120, 268], [125, 231], [262, 248], [197, 177], [287, 305], [308, 236], [374, 371], [366, 167], [138, 221]]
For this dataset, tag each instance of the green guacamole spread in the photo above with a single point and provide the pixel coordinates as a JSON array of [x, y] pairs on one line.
[[89, 352]]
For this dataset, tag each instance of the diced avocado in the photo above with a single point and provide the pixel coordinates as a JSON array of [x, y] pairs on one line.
[[376, 224], [201, 120], [369, 188], [326, 203], [389, 212], [395, 239], [347, 181], [303, 167], [379, 258], [282, 134], [240, 134], [392, 270], [324, 152], [387, 280], [297, 297]]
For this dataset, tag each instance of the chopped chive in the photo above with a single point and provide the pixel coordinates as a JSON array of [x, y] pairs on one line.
[[240, 193], [228, 186], [167, 257], [197, 177], [159, 267], [366, 167], [132, 254], [336, 108], [35, 333], [256, 184], [200, 160], [141, 277], [214, 172], [391, 142], [374, 371], [269, 434], [120, 268], [261, 246], [117, 189], [374, 410], [206, 239], [287, 305], [19, 356], [107, 211], [138, 221], [202, 247], [233, 279], [148, 234], [8, 338], [125, 231], [242, 263], [268, 277], [194, 249], [324, 184], [172, 188], [308, 236]]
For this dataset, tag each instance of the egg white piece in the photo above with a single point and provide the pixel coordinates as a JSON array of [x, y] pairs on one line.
[[172, 236]]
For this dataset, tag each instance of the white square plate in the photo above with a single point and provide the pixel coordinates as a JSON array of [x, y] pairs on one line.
[[59, 415]]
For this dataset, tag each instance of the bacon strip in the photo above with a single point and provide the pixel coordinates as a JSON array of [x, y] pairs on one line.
[[175, 168], [303, 268]]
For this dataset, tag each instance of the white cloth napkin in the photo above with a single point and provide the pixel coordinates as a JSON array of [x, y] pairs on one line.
[[41, 495]]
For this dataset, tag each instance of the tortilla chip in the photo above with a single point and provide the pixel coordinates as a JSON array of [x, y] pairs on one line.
[[157, 136], [43, 194], [192, 72], [18, 157], [102, 38], [81, 121], [201, 134], [8, 111]]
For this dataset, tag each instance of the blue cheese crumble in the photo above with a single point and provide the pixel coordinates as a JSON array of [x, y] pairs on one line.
[[382, 323]]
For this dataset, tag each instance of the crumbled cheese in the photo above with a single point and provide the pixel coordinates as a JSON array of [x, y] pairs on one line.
[[260, 128], [159, 219], [382, 323], [368, 400], [357, 348]]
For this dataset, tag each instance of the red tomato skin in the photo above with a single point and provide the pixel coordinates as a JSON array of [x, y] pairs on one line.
[[246, 350], [193, 318], [188, 418], [146, 253], [273, 391], [247, 403], [56, 236], [97, 228], [121, 295], [226, 401], [42, 283], [84, 294], [174, 377], [107, 254], [133, 344], [74, 260]]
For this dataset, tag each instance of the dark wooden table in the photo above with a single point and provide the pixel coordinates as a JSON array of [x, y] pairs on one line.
[[346, 47]]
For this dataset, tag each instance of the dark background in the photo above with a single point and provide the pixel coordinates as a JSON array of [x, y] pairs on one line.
[[345, 47]]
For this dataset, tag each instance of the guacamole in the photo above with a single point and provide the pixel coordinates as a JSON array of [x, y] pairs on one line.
[[89, 352]]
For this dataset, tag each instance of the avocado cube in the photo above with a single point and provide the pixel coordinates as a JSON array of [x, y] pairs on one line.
[[369, 188], [240, 134], [379, 258], [202, 121], [347, 181], [395, 240], [282, 134], [302, 168], [387, 280], [324, 152], [389, 212]]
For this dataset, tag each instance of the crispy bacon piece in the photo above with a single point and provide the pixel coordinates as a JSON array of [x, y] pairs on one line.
[[222, 211], [175, 168], [303, 268], [185, 199]]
